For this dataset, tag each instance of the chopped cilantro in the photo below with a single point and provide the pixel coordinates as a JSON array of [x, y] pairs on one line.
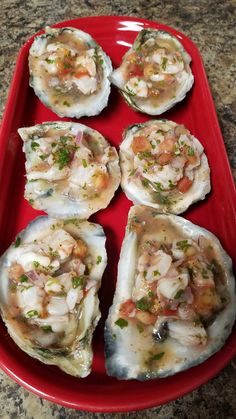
[[145, 182], [78, 281], [121, 323], [164, 63], [156, 357], [179, 294], [43, 156], [36, 264], [17, 242], [47, 329], [158, 186], [23, 278], [183, 245], [62, 157], [32, 313], [143, 304], [34, 145], [99, 259], [150, 294], [144, 154], [170, 184], [162, 199], [155, 273], [49, 61], [65, 103], [84, 162], [67, 65], [31, 201], [191, 151]]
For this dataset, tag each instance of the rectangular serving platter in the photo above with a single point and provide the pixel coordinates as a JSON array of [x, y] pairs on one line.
[[217, 212]]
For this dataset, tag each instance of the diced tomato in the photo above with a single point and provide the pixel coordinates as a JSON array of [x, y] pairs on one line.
[[167, 145], [167, 312], [184, 184], [127, 308], [145, 317], [81, 73], [140, 144], [135, 70], [165, 158]]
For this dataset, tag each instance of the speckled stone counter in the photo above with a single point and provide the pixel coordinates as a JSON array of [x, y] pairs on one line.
[[211, 25]]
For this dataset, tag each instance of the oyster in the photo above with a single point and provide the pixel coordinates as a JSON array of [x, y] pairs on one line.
[[69, 72], [155, 73], [48, 291], [163, 166], [71, 169], [175, 300]]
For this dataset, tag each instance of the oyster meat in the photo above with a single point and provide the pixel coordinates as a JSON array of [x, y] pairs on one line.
[[71, 169], [155, 72], [48, 291], [163, 166], [69, 72], [175, 302]]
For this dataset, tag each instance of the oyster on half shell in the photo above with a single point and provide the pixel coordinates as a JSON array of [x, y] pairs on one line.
[[71, 170], [175, 302], [155, 72], [164, 166], [48, 291], [69, 72]]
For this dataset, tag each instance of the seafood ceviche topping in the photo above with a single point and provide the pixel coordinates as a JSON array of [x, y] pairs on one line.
[[163, 160], [174, 304], [69, 163], [70, 66], [178, 290], [49, 280], [48, 293], [155, 72]]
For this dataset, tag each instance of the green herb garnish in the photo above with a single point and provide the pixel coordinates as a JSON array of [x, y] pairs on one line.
[[191, 151], [36, 264], [32, 313], [84, 163], [179, 294], [34, 145], [78, 281], [121, 323], [156, 357], [62, 157], [183, 245], [143, 304], [47, 329], [164, 63], [99, 259], [23, 278], [17, 242]]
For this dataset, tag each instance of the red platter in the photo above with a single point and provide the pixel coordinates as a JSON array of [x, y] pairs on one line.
[[98, 392]]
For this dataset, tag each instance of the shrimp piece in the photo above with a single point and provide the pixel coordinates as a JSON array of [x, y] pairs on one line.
[[154, 266], [61, 242], [170, 286]]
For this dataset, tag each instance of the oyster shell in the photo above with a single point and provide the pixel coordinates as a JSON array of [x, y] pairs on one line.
[[48, 291], [155, 72], [174, 304], [71, 169], [69, 72], [163, 166]]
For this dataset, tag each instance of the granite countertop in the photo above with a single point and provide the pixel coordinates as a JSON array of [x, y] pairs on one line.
[[211, 25]]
